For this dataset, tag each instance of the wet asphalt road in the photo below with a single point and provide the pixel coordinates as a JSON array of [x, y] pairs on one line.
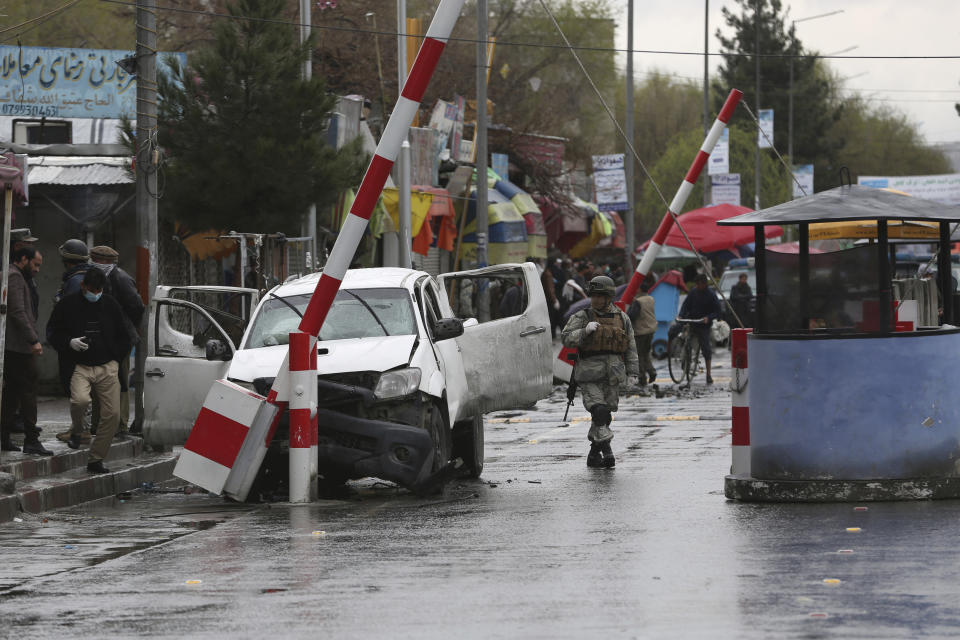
[[541, 547]]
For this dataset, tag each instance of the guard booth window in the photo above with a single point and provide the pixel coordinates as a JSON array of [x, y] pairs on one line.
[[844, 295], [505, 293]]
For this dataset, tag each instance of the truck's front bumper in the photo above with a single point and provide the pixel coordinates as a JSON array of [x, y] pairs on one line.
[[357, 447]]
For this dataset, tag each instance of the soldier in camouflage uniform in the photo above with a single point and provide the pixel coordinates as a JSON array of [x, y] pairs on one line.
[[603, 336]]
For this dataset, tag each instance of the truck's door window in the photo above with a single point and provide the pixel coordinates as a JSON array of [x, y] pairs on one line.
[[226, 307], [183, 331], [505, 293]]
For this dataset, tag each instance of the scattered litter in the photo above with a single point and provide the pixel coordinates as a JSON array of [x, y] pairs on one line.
[[860, 508], [532, 442], [831, 581], [534, 481], [928, 422], [18, 519], [492, 485], [581, 419], [193, 582], [678, 417], [819, 614], [853, 529], [274, 590], [845, 551], [69, 546], [319, 533]]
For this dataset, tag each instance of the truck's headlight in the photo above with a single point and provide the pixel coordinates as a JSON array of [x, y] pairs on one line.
[[394, 384]]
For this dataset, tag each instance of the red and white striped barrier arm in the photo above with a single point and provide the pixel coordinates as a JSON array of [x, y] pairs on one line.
[[740, 395], [303, 392], [386, 154], [693, 174]]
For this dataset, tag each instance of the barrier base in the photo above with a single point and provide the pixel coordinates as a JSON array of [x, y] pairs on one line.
[[747, 489]]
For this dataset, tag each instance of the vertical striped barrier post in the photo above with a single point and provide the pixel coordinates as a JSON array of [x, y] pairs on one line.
[[740, 396], [693, 174], [314, 426], [303, 390], [356, 223]]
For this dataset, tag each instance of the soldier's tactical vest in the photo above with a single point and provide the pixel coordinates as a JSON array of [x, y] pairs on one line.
[[609, 338]]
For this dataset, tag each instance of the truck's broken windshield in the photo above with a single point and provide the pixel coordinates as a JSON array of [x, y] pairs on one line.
[[358, 313]]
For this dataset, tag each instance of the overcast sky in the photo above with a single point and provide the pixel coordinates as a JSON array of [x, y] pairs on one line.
[[925, 90]]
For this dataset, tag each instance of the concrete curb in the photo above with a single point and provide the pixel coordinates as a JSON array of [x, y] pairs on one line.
[[748, 489], [78, 486], [65, 459]]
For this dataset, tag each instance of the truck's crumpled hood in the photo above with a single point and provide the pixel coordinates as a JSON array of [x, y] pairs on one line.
[[356, 354]]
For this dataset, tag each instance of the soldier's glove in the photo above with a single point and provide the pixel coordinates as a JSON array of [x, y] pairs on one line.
[[591, 327], [79, 344], [633, 381]]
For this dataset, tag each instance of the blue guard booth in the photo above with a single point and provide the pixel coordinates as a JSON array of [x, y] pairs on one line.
[[850, 396]]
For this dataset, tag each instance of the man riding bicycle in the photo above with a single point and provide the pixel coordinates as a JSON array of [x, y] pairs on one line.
[[701, 304]]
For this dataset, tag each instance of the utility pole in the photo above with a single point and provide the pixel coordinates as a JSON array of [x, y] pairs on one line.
[[756, 54], [307, 73], [147, 158], [628, 153], [706, 93], [403, 160], [483, 297]]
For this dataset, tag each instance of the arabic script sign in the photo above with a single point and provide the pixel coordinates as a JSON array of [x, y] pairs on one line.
[[44, 82]]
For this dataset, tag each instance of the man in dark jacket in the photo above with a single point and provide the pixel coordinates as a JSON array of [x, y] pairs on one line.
[[701, 304], [88, 328], [123, 288], [76, 261], [21, 350]]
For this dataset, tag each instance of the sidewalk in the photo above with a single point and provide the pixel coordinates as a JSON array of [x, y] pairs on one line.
[[40, 483]]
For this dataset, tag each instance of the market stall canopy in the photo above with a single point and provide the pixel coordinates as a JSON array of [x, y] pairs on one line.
[[707, 237], [850, 202]]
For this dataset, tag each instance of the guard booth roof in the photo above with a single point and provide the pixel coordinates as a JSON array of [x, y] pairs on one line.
[[851, 202]]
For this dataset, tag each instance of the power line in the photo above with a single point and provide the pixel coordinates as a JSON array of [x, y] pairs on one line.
[[536, 45], [38, 20]]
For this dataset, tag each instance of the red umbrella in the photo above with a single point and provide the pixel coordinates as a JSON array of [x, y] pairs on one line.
[[707, 237]]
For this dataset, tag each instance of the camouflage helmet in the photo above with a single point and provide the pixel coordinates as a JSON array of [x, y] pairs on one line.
[[602, 285]]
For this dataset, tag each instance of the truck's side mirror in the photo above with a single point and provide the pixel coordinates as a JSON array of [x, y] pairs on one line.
[[217, 350], [447, 328]]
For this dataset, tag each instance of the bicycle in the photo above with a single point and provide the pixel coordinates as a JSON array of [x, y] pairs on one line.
[[683, 353]]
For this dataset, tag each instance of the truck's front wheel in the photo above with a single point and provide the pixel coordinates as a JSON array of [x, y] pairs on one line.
[[440, 436], [468, 445]]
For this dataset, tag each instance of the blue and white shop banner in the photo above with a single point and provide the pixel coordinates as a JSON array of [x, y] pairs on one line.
[[610, 183], [943, 188], [720, 158], [725, 189], [802, 180], [765, 134], [45, 82]]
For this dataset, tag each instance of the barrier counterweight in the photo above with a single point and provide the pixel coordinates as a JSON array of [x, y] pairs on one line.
[[740, 396]]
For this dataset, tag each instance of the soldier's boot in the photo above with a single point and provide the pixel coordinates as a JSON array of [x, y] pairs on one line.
[[608, 460], [594, 458]]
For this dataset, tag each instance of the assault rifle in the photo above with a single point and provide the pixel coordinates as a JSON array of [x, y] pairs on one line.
[[572, 387]]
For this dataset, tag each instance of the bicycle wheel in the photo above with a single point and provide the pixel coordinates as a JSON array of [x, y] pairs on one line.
[[675, 352], [692, 360]]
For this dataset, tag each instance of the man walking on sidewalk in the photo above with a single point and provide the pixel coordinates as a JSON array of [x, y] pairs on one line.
[[123, 288], [88, 328], [20, 357]]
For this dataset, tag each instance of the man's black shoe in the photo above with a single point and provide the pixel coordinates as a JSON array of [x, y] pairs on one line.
[[97, 467], [709, 379], [36, 447], [7, 445], [594, 458], [74, 441]]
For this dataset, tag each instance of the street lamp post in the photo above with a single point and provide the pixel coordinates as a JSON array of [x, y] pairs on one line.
[[793, 41]]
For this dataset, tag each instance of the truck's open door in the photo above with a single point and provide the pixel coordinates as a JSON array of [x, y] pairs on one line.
[[507, 352]]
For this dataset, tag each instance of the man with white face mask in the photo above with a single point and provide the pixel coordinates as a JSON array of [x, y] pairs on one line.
[[88, 328]]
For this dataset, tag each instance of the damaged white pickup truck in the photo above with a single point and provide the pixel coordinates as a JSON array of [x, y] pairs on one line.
[[404, 377]]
